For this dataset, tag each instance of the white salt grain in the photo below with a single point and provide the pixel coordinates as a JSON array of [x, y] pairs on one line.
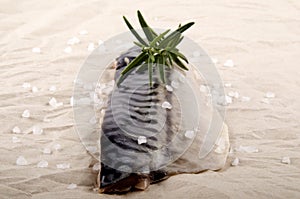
[[53, 102], [166, 105], [34, 89], [26, 114], [47, 151], [15, 140], [225, 100], [91, 47], [42, 164], [169, 88], [72, 186], [97, 166], [57, 147], [16, 130], [36, 130], [72, 101], [228, 63], [63, 166], [142, 140], [83, 32], [189, 134], [203, 89], [270, 95], [52, 88], [234, 94], [21, 161], [36, 50], [235, 162], [73, 41], [174, 84], [227, 85], [126, 60], [214, 60], [26, 85], [100, 42], [286, 160], [68, 50]]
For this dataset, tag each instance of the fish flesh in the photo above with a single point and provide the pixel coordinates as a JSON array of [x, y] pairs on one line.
[[149, 133]]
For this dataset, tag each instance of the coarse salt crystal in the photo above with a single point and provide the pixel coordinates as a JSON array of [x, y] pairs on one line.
[[100, 42], [126, 60], [228, 63], [142, 140], [72, 101], [97, 166], [73, 41], [225, 100], [203, 89], [36, 50], [169, 88], [52, 88], [166, 105], [286, 160], [227, 85], [47, 151], [26, 114], [214, 60], [34, 89], [36, 130], [57, 147], [270, 95], [174, 84], [72, 186], [21, 161], [234, 94], [42, 164], [68, 50], [16, 130], [26, 85], [189, 134], [235, 162], [53, 102], [63, 166], [91, 47]]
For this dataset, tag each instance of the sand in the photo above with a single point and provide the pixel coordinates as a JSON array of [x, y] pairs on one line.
[[261, 37]]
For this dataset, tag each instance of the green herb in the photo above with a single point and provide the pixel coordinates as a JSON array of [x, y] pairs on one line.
[[157, 50]]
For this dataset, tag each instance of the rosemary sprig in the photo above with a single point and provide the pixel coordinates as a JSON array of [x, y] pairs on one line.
[[158, 50]]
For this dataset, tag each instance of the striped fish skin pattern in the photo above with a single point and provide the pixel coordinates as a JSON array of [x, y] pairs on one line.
[[134, 110]]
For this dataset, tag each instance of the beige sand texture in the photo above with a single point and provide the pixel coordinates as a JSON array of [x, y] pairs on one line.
[[261, 37]]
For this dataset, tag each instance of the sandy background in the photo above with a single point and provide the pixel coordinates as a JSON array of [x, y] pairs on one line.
[[261, 37]]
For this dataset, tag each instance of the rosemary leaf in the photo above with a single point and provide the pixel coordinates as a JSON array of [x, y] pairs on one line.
[[147, 30], [134, 32]]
